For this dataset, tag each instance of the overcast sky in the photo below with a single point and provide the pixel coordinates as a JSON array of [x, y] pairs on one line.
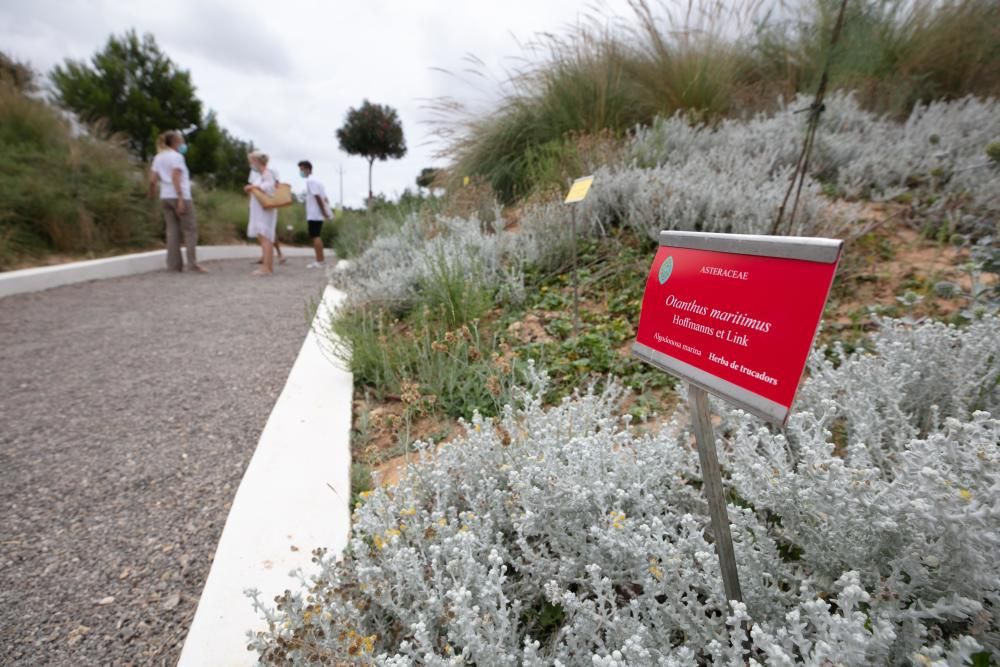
[[282, 73]]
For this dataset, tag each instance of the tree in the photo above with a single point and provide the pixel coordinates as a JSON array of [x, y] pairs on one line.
[[218, 154], [205, 146], [133, 86], [427, 177], [374, 132], [231, 168]]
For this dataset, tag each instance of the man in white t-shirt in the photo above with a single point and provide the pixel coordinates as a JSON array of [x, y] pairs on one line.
[[317, 210], [170, 172]]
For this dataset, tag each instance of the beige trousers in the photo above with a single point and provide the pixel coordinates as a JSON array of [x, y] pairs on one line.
[[177, 225]]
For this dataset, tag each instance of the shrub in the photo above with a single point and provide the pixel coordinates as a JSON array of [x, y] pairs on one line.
[[222, 215], [353, 231], [902, 492], [449, 289], [713, 191], [561, 536], [993, 152], [939, 147], [716, 190], [434, 252], [728, 177]]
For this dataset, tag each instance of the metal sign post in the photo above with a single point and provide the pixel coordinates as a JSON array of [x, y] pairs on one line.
[[576, 278], [704, 435], [734, 315], [577, 193]]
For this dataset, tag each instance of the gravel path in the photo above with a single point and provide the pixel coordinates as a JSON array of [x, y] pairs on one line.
[[129, 409]]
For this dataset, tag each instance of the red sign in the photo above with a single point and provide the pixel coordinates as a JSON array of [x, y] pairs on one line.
[[734, 320]]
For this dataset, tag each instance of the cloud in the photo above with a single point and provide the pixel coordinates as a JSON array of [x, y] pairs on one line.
[[241, 41]]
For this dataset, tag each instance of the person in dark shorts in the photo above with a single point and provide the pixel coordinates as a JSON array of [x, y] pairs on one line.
[[317, 210]]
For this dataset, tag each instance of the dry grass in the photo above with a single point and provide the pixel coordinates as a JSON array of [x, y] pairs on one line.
[[63, 192]]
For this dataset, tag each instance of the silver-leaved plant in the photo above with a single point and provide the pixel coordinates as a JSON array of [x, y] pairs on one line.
[[866, 532]]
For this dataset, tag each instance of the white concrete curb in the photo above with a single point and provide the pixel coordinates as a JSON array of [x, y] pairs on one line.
[[46, 277], [294, 497]]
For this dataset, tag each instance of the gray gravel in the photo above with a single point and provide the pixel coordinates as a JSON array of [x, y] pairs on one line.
[[129, 409]]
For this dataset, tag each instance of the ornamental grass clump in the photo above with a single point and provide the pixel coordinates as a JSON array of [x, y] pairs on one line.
[[864, 534]]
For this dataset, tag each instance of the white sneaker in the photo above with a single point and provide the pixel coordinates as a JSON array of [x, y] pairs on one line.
[[316, 265]]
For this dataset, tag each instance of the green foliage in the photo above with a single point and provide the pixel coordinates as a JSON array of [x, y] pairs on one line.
[[361, 482], [610, 285], [133, 87], [374, 132], [295, 217], [544, 619], [982, 659], [217, 156], [461, 368], [466, 352], [993, 152], [64, 193], [222, 216], [352, 231]]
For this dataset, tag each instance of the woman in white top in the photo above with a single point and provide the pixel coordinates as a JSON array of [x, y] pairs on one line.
[[169, 171], [263, 222]]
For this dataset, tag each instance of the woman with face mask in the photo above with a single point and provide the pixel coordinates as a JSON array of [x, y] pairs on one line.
[[263, 222], [170, 172]]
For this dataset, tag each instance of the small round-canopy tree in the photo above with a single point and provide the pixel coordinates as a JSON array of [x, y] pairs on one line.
[[374, 132]]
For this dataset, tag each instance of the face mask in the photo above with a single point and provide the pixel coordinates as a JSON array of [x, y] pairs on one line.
[[303, 174], [254, 167], [183, 149]]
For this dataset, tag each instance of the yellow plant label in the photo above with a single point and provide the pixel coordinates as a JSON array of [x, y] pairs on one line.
[[578, 192]]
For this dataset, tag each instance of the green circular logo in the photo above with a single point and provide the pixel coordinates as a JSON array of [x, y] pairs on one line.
[[666, 268]]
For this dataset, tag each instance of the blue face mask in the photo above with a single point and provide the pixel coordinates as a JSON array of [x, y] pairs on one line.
[[183, 149], [303, 174]]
